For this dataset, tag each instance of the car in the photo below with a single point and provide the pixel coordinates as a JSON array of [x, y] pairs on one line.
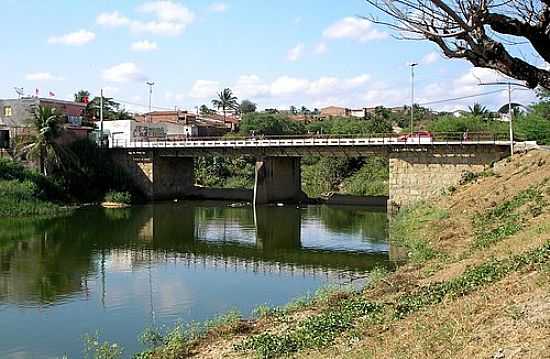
[[418, 137]]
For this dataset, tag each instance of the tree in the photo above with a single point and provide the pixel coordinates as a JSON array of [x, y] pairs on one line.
[[81, 96], [46, 124], [293, 110], [474, 30], [478, 110], [205, 111], [247, 106], [225, 101], [111, 110]]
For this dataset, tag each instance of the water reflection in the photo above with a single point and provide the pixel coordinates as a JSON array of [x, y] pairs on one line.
[[122, 270]]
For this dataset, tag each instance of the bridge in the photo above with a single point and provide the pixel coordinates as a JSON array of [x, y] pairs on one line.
[[420, 167]]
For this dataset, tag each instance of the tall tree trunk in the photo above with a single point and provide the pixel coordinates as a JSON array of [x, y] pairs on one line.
[[42, 160]]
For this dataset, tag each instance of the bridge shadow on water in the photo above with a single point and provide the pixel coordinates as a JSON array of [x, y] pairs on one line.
[[48, 261]]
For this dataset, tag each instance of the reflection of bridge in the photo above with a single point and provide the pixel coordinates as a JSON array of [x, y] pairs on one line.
[[419, 167]]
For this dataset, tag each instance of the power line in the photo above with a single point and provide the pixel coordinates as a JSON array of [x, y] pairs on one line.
[[461, 98]]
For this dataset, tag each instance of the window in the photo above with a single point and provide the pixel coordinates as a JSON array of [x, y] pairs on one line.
[[7, 111]]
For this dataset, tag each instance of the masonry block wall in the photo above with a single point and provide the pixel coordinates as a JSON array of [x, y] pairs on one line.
[[157, 177], [278, 179], [421, 175]]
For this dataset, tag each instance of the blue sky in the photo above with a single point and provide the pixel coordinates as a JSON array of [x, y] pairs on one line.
[[276, 53]]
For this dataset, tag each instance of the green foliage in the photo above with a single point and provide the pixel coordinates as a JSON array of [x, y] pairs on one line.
[[370, 180], [469, 177], [506, 219], [353, 126], [225, 101], [95, 349], [118, 197], [533, 127], [225, 172], [315, 331], [270, 124], [27, 193], [247, 106], [408, 230], [467, 123], [472, 279]]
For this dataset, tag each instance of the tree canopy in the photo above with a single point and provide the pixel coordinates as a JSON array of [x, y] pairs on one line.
[[479, 31]]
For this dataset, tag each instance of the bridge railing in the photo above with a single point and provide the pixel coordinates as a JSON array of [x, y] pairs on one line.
[[316, 139]]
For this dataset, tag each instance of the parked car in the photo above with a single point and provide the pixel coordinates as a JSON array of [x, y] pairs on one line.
[[419, 137]]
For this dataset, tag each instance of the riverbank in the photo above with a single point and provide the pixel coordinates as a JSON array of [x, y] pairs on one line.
[[477, 284]]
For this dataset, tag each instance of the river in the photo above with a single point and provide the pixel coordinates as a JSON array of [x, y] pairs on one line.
[[121, 271]]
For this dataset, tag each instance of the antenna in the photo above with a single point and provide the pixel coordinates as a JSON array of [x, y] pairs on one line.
[[19, 91]]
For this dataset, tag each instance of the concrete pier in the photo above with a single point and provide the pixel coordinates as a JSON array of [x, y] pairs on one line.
[[278, 179]]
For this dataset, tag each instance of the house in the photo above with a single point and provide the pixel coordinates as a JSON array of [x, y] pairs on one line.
[[178, 117], [335, 111], [15, 115]]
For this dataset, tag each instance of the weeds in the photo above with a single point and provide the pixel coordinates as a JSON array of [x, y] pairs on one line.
[[314, 332], [507, 218], [472, 279], [408, 228], [95, 349]]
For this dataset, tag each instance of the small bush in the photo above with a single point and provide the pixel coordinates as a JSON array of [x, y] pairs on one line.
[[119, 197]]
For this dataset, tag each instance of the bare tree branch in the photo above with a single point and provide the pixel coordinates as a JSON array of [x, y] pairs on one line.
[[469, 29]]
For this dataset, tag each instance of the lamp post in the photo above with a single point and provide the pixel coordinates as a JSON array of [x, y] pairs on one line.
[[412, 65], [150, 84]]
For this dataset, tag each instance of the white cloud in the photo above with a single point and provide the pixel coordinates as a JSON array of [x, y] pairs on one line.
[[42, 76], [144, 45], [112, 19], [286, 85], [124, 72], [250, 86], [78, 38], [218, 7], [205, 89], [430, 58], [296, 53], [355, 29], [321, 48], [169, 18]]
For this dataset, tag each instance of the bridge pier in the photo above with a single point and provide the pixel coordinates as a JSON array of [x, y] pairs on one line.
[[420, 175], [158, 177], [278, 179]]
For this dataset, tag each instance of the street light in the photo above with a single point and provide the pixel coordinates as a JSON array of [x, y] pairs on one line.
[[150, 84], [510, 112], [412, 65]]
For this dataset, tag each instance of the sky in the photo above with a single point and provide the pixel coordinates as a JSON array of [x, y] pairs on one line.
[[276, 53]]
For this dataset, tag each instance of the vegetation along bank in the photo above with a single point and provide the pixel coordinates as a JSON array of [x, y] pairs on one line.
[[476, 284]]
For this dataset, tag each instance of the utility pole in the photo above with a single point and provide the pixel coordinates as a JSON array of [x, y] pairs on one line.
[[101, 114], [510, 110], [150, 84], [412, 65]]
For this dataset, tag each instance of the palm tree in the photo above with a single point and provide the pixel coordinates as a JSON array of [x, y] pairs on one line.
[[226, 100], [478, 110], [46, 123]]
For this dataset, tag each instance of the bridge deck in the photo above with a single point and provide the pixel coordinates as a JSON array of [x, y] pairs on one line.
[[298, 143]]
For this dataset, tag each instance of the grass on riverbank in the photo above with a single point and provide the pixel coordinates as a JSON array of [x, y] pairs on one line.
[[26, 193]]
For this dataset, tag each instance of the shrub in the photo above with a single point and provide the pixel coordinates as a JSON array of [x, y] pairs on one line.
[[119, 197]]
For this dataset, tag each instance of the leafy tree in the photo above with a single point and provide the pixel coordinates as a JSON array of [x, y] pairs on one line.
[[247, 106], [225, 101], [473, 31], [270, 124], [205, 111], [479, 110], [81, 95], [293, 110], [46, 123]]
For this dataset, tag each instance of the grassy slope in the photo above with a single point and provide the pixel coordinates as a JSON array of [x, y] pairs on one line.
[[478, 284]]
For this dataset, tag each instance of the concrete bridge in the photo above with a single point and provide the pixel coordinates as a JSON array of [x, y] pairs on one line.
[[420, 167]]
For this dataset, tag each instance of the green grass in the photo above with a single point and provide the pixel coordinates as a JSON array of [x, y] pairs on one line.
[[314, 332], [409, 227], [507, 218], [24, 199], [322, 329]]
